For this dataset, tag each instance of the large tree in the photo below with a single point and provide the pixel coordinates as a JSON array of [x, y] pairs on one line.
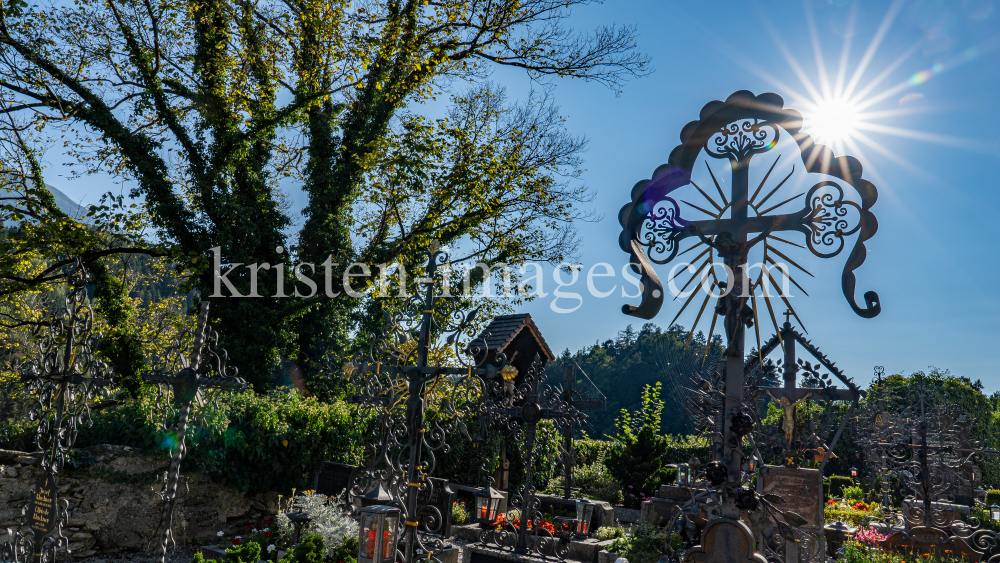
[[204, 106]]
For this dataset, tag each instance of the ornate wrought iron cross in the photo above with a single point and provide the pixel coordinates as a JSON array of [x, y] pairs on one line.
[[184, 384], [64, 380], [786, 444], [525, 406], [922, 439], [837, 204], [397, 379]]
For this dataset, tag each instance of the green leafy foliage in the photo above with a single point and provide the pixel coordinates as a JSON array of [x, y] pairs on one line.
[[636, 461], [346, 551], [854, 493], [459, 513], [270, 442], [836, 484], [644, 545], [993, 497], [309, 550], [859, 553], [248, 552]]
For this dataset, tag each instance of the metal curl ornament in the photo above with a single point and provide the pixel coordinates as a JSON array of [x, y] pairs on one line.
[[186, 384], [413, 406], [63, 381]]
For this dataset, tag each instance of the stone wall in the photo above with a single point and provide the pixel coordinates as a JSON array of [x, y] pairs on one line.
[[115, 505]]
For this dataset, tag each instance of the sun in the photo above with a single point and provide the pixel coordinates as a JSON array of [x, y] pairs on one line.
[[832, 122]]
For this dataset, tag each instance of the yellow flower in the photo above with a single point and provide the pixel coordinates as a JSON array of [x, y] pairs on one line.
[[284, 443]]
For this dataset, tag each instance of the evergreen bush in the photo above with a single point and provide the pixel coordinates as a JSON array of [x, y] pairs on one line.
[[838, 483], [636, 461]]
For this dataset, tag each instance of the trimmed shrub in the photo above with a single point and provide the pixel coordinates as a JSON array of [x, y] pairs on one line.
[[837, 485]]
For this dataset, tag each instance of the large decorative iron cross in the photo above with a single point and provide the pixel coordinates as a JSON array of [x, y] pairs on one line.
[[64, 380], [836, 205], [181, 381]]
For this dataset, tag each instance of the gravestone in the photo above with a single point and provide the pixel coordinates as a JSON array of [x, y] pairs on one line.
[[725, 541], [439, 496], [802, 490], [334, 478], [928, 541], [659, 509]]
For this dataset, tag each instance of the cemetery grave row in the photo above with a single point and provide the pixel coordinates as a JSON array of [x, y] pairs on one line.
[[427, 382]]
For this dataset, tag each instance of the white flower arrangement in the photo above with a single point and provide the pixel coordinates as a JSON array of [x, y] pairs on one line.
[[328, 520], [271, 548], [221, 533]]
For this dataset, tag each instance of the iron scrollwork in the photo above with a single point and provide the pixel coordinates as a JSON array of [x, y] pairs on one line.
[[520, 409], [187, 380], [63, 381], [417, 383]]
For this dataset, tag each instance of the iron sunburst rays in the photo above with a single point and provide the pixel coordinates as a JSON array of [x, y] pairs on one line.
[[834, 202]]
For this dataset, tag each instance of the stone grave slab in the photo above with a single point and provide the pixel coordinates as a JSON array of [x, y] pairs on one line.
[[439, 496], [802, 490], [334, 478], [604, 513]]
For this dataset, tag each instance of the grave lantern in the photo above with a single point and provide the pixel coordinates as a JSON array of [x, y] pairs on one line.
[[683, 474], [584, 514], [854, 472], [377, 543], [487, 505], [379, 496], [995, 512]]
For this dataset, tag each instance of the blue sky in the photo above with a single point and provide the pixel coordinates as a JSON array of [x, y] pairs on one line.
[[935, 252], [931, 151]]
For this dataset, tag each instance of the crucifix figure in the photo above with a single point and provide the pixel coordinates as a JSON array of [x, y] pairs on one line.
[[788, 422], [837, 204], [63, 381], [790, 395], [184, 382]]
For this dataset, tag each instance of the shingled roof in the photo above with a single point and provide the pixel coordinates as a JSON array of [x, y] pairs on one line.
[[503, 329]]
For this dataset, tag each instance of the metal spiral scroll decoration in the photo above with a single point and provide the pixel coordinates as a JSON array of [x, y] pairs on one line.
[[62, 382], [189, 375], [655, 222], [413, 406], [519, 409], [924, 441]]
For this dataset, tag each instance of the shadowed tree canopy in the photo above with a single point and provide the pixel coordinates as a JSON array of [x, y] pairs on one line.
[[203, 107], [623, 366]]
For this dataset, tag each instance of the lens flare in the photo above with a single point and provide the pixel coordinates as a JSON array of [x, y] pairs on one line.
[[832, 121]]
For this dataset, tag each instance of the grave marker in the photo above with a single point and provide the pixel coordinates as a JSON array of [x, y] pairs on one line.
[[334, 478], [801, 489]]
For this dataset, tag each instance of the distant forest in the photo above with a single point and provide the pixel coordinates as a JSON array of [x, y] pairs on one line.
[[620, 367]]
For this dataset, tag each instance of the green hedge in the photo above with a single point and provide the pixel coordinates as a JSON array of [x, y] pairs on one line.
[[254, 442], [836, 485], [992, 497]]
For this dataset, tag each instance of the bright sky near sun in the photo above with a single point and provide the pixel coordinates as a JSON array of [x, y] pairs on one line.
[[909, 88]]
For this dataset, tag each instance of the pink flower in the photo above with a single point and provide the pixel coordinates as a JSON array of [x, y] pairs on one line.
[[870, 536]]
